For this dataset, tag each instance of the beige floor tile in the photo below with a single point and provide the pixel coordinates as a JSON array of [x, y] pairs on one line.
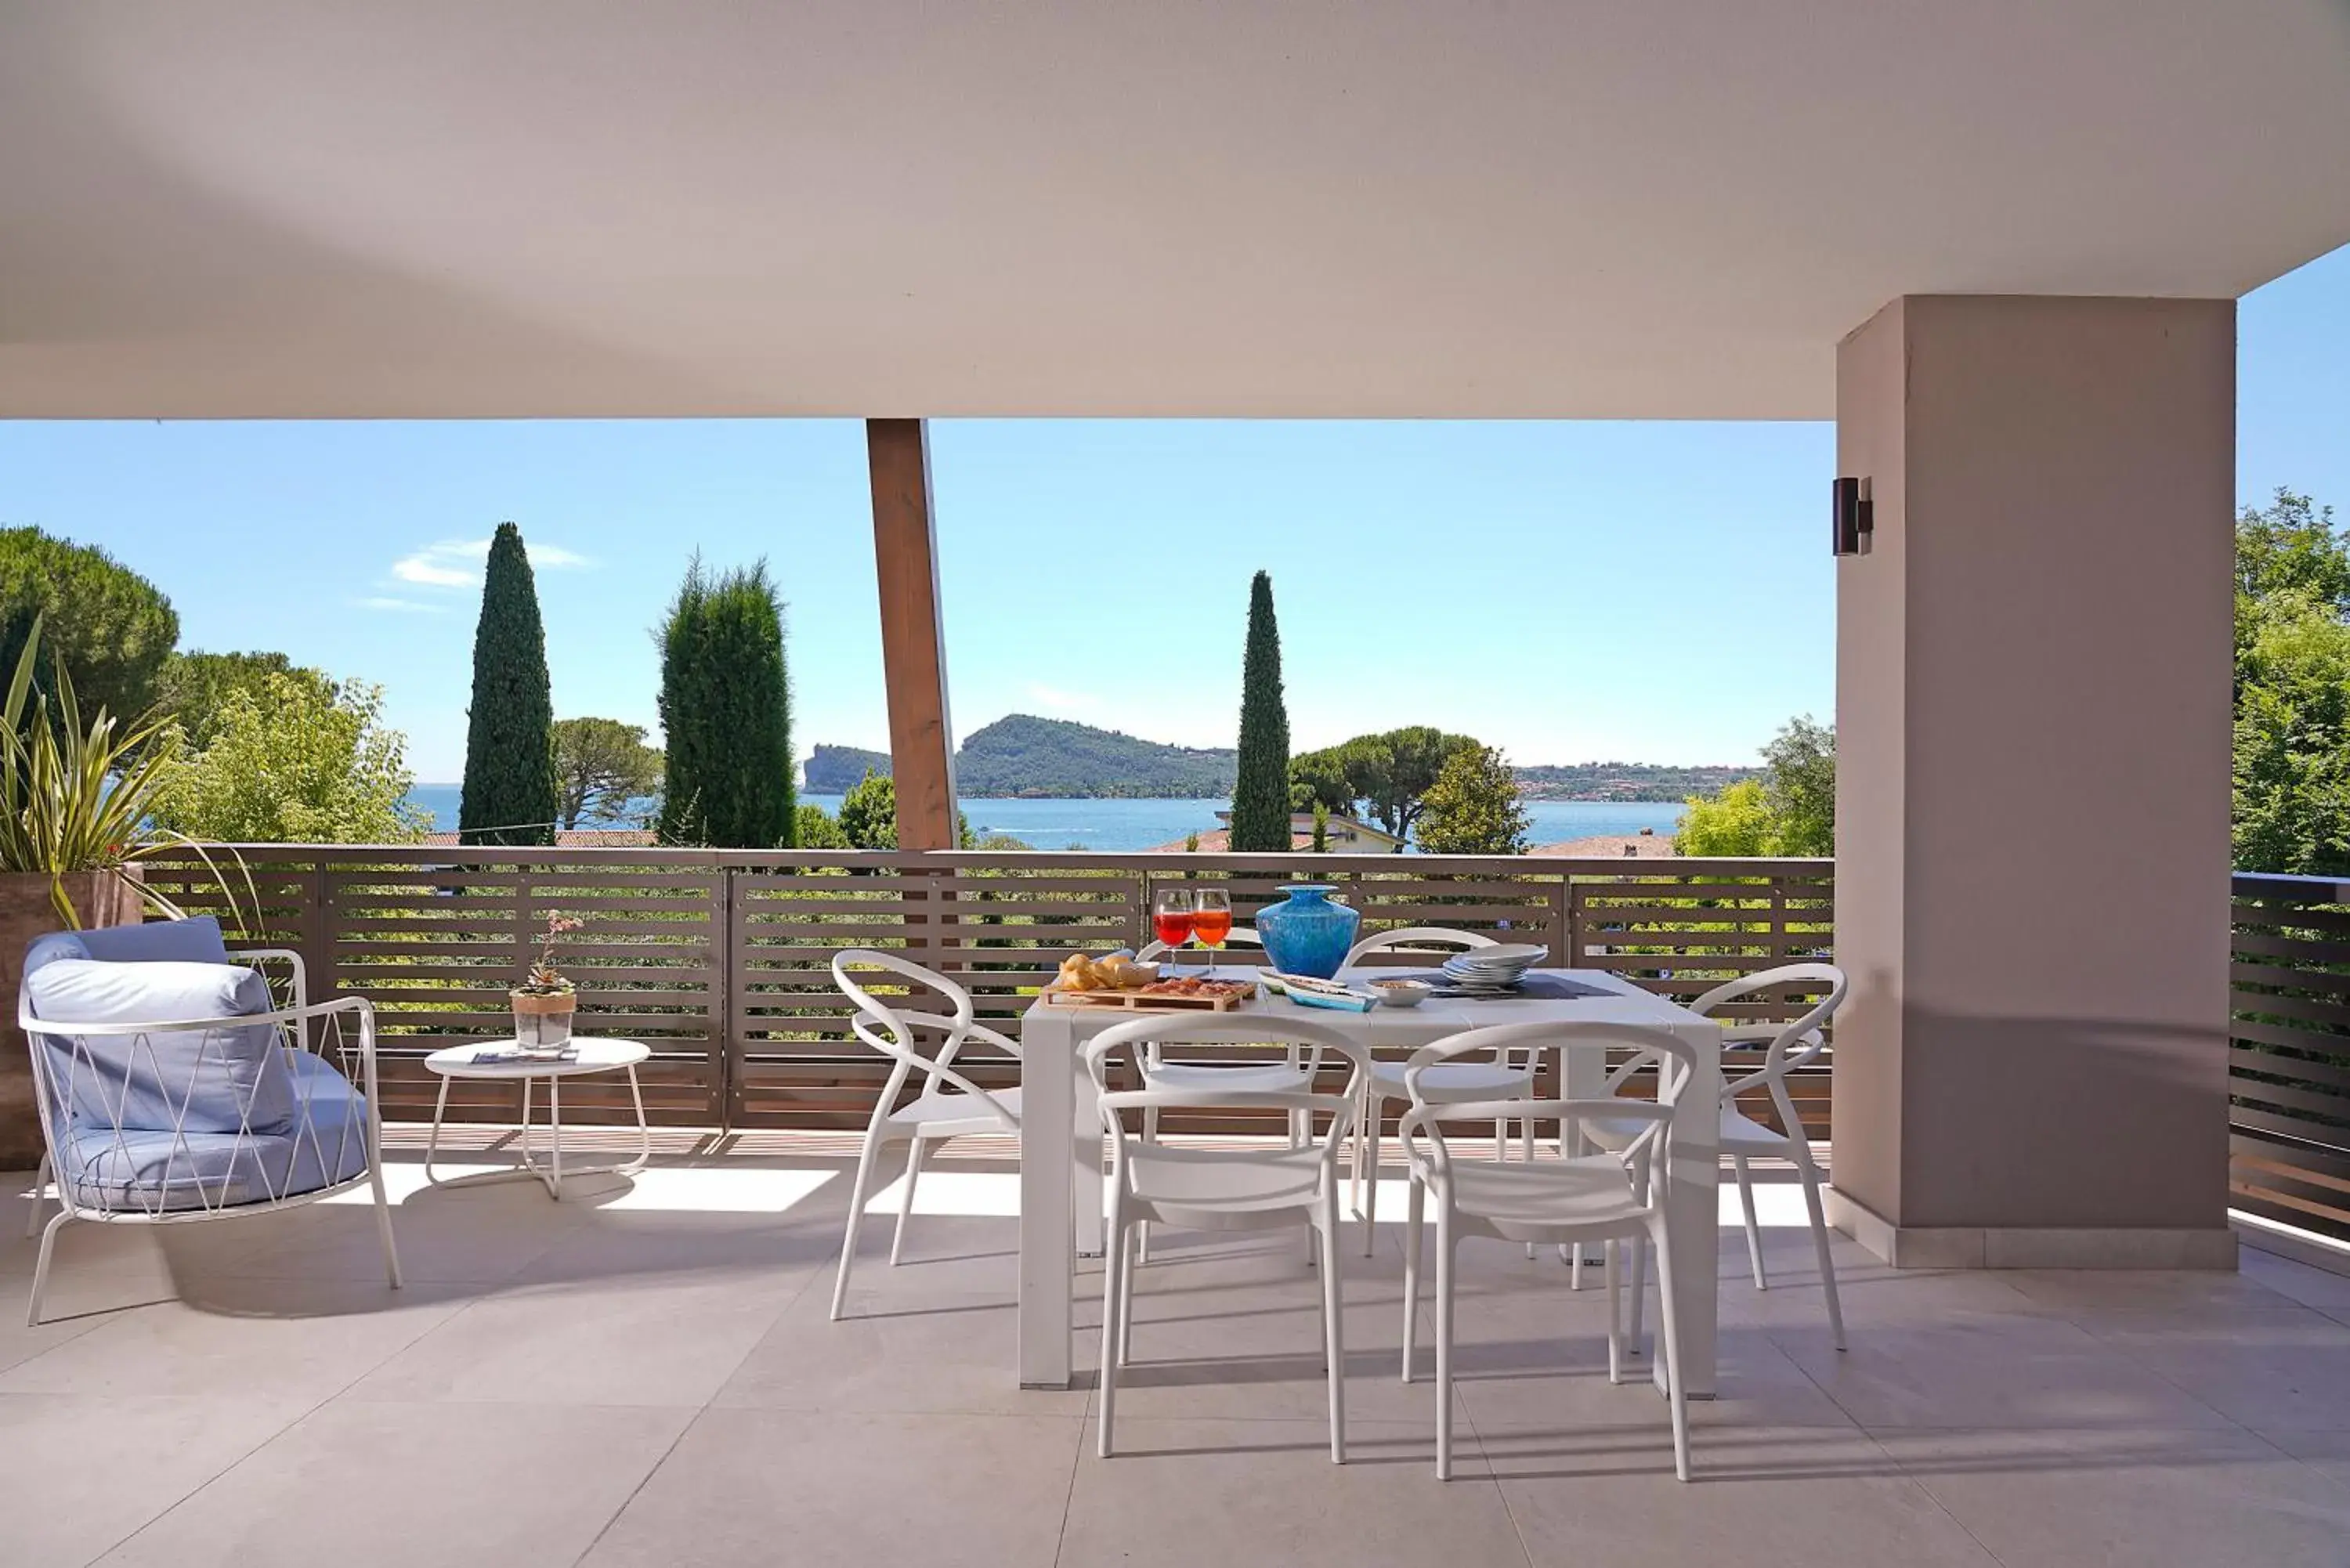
[[2148, 1498], [1516, 1384], [2286, 1369], [2327, 1453], [2190, 1295], [302, 1339], [63, 1506], [416, 1486], [2328, 1292], [480, 1235], [765, 1487], [1809, 1496], [1991, 1371], [633, 1341], [618, 1246], [942, 1354], [1186, 1492]]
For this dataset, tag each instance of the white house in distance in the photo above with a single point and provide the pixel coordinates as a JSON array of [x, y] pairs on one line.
[[1342, 836]]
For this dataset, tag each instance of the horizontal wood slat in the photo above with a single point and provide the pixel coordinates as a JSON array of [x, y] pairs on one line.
[[2288, 1063]]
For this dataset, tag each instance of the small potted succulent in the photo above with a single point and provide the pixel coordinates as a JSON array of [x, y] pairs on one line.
[[544, 1001]]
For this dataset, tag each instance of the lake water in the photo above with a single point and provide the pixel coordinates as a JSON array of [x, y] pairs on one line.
[[1129, 824]]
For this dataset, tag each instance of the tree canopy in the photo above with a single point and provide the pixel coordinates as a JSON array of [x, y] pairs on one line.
[[1473, 808], [1260, 820], [509, 793], [602, 767], [1385, 776], [725, 711], [290, 762], [1789, 810], [194, 688], [110, 628], [2291, 763]]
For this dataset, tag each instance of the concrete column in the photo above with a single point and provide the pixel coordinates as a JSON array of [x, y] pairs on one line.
[[2033, 706]]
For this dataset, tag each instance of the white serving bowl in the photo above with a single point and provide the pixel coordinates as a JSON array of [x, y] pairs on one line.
[[1402, 992]]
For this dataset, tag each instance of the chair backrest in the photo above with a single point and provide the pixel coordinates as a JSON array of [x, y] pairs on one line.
[[1673, 1057], [895, 1031], [1309, 1043], [1239, 936], [1416, 938], [1798, 1042]]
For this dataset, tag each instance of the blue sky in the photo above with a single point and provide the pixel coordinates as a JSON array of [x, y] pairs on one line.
[[1569, 591]]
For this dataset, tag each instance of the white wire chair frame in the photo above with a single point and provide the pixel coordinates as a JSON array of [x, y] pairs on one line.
[[183, 1194], [948, 1105], [1224, 1189], [1786, 1046], [1609, 1198]]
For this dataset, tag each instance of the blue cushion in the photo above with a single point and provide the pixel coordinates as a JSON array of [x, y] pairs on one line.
[[194, 1080], [193, 940], [162, 1172]]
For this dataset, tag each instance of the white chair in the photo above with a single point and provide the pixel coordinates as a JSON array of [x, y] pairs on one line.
[[1506, 1077], [949, 1106], [1157, 1072], [1786, 1046], [1604, 1198], [172, 1088], [1224, 1189]]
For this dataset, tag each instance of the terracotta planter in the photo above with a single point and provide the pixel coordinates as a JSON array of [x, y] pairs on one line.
[[24, 913], [543, 1019]]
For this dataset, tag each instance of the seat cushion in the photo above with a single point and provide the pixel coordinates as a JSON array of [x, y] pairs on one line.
[[323, 1144], [196, 940], [191, 1080]]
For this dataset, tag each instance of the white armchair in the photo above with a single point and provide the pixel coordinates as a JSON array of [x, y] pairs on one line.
[[174, 1088]]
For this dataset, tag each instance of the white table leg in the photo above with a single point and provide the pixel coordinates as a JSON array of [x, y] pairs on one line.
[[644, 1131], [1047, 1176], [554, 1137], [432, 1138], [1695, 1218], [1085, 1170]]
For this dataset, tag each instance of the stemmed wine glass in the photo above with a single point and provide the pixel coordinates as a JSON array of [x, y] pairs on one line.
[[1170, 918], [1211, 922]]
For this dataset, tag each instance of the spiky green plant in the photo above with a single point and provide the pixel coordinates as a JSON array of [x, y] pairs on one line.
[[77, 797]]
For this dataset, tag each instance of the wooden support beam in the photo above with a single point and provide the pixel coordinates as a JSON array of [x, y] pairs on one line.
[[913, 646]]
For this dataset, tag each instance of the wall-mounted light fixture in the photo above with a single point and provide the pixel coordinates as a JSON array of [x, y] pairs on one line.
[[1855, 518]]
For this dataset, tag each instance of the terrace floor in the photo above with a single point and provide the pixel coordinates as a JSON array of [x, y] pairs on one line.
[[644, 1374]]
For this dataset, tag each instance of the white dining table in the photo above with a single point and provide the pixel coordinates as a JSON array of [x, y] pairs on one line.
[[1061, 1174]]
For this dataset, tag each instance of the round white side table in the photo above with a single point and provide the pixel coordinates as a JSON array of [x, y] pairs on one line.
[[594, 1055]]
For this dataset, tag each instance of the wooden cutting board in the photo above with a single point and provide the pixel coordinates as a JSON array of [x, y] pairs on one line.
[[1140, 1002]]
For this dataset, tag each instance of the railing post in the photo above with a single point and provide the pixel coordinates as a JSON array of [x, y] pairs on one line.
[[725, 1007]]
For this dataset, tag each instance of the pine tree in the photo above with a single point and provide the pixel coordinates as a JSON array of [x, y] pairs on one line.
[[725, 706], [1261, 785], [509, 795]]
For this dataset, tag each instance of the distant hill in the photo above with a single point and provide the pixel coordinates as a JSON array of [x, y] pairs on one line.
[[1020, 754], [1624, 781], [836, 770]]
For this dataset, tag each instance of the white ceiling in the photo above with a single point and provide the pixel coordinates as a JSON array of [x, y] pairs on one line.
[[1484, 208]]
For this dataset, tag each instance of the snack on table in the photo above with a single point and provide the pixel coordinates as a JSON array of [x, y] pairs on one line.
[[1111, 971], [1197, 985]]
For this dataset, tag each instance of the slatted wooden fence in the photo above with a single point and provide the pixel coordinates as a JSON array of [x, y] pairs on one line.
[[720, 960], [2289, 1054]]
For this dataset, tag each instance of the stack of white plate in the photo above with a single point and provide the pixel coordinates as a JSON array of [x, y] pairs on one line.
[[1494, 971]]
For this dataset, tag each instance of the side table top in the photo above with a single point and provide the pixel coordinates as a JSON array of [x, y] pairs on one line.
[[597, 1055]]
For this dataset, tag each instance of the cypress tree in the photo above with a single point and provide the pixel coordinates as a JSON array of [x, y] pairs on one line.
[[509, 795], [725, 709], [1261, 784]]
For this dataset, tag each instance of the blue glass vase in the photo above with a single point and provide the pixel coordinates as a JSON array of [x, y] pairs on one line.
[[1305, 933]]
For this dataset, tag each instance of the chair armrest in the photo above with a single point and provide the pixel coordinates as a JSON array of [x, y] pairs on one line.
[[963, 1031]]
